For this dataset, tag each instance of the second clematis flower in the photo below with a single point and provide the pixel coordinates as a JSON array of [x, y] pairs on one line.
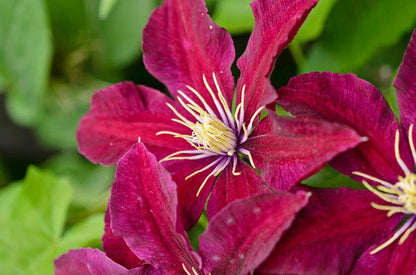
[[144, 235], [365, 231], [201, 138]]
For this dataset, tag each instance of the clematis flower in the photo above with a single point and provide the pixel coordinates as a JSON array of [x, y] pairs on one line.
[[368, 231], [143, 234], [199, 135]]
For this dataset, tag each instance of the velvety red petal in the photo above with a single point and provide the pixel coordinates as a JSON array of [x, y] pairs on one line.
[[287, 150], [181, 43], [143, 206], [116, 249], [190, 206], [405, 84], [229, 187], [122, 113], [243, 234], [87, 261], [352, 101], [394, 259], [276, 23], [330, 233]]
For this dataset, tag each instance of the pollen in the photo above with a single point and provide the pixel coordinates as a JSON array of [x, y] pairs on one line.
[[400, 196]]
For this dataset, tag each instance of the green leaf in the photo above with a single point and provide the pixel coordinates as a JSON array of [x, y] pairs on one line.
[[106, 7], [64, 107], [328, 177], [32, 224], [315, 22], [234, 15], [90, 182], [356, 30], [120, 33], [25, 55], [69, 27]]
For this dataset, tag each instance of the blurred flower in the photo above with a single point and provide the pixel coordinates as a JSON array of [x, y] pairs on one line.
[[144, 236], [200, 135], [357, 229]]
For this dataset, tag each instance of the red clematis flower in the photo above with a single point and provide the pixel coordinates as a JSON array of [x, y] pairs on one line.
[[372, 228], [200, 135], [144, 236]]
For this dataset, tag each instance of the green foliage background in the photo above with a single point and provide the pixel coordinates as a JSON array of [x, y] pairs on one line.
[[55, 53]]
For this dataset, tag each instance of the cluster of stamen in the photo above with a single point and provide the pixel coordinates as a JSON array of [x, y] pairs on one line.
[[401, 195], [212, 133]]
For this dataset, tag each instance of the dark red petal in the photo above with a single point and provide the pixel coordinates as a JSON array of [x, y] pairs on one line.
[[122, 113], [229, 187], [87, 261], [190, 206], [330, 233], [143, 207], [243, 234], [405, 84], [352, 101], [181, 43], [287, 150], [394, 259], [276, 23], [116, 249]]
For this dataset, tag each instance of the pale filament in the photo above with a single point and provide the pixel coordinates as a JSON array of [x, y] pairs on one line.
[[216, 132], [194, 271], [401, 195]]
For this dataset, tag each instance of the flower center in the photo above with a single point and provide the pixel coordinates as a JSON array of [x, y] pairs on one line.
[[212, 134], [408, 196], [401, 195], [216, 131]]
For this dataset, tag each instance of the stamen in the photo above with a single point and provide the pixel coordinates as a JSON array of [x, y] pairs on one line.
[[207, 107], [412, 145], [250, 125], [223, 101], [407, 233], [186, 270], [214, 98], [218, 169], [396, 235], [191, 109], [243, 95], [248, 154], [204, 168], [385, 183], [380, 194], [397, 153], [235, 160]]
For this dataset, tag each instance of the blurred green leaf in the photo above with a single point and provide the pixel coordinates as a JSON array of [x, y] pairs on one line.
[[120, 33], [32, 223], [90, 182], [356, 30], [69, 25], [315, 22], [64, 107], [105, 7], [234, 15], [25, 55]]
